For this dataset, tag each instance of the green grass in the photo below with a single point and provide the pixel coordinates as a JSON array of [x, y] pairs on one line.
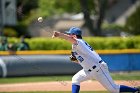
[[115, 76], [126, 76], [60, 92], [34, 79]]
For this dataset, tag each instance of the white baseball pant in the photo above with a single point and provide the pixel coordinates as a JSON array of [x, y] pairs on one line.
[[101, 74]]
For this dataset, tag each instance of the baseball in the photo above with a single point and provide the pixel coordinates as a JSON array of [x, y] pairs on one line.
[[40, 19]]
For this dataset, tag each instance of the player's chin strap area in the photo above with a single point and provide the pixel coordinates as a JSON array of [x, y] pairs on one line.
[[93, 67]]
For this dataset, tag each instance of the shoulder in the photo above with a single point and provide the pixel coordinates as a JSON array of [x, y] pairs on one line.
[[80, 42]]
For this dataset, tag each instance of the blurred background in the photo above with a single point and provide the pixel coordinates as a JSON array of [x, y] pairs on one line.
[[111, 27], [95, 17]]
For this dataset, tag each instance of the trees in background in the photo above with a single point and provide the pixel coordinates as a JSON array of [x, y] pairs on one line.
[[98, 8], [28, 10], [86, 11], [133, 23]]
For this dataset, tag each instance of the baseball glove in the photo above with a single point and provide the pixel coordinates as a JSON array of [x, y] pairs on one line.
[[73, 59]]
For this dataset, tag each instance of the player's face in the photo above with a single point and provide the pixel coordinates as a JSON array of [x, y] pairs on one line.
[[73, 35]]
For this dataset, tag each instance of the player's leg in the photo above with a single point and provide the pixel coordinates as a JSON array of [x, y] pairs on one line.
[[78, 78], [103, 76]]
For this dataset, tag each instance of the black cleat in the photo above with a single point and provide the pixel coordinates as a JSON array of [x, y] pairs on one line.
[[138, 89]]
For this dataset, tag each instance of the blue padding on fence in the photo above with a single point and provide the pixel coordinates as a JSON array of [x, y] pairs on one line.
[[122, 62]]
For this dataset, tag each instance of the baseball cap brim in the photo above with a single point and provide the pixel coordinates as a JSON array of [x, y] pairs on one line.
[[67, 32]]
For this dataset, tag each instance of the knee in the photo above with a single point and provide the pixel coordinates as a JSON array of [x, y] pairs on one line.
[[114, 89], [75, 80]]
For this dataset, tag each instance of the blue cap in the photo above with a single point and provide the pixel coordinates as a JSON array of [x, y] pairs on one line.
[[75, 31]]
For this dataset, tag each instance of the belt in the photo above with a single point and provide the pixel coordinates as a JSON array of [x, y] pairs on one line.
[[93, 67]]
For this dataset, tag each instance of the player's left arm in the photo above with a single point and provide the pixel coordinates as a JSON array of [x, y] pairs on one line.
[[64, 36]]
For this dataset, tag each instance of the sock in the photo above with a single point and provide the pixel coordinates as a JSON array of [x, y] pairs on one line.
[[124, 88], [75, 88]]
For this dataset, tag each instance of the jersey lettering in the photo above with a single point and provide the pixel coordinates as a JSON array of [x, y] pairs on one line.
[[80, 58], [74, 53], [89, 46]]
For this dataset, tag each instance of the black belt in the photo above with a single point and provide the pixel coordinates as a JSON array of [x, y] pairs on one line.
[[95, 66]]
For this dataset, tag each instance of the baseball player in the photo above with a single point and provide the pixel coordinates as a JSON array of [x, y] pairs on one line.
[[93, 65]]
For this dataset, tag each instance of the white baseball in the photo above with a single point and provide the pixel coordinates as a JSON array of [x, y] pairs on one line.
[[40, 19]]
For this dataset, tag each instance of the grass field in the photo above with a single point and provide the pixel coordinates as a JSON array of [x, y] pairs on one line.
[[115, 76], [61, 92]]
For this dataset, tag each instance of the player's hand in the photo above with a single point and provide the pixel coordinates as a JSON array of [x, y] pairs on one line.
[[73, 59], [55, 34]]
